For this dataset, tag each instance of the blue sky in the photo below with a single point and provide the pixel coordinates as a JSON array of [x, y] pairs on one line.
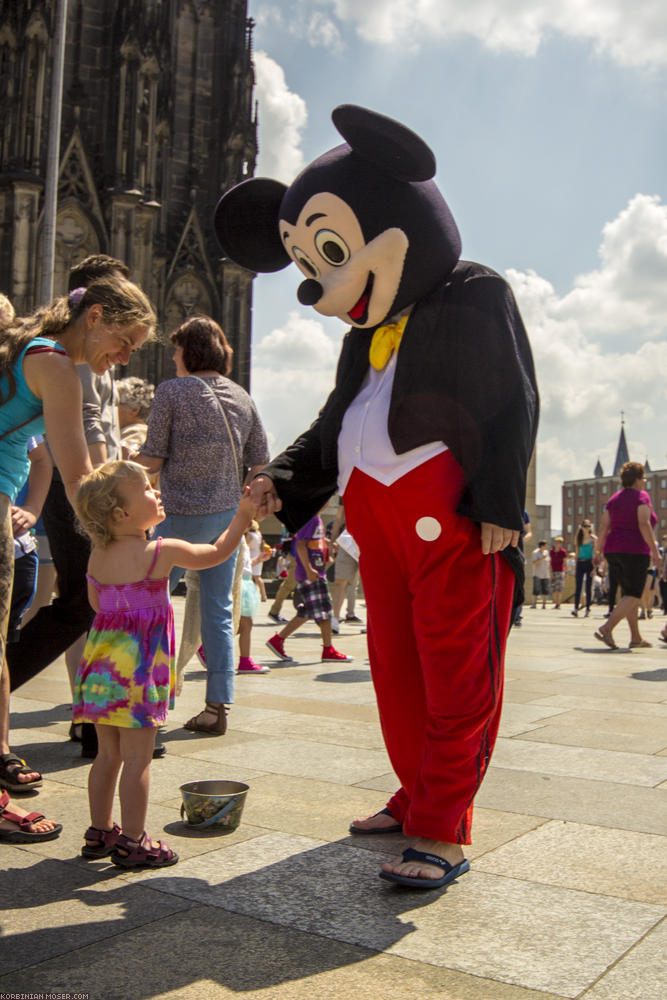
[[550, 132]]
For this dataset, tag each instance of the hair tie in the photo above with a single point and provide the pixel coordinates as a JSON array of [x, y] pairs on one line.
[[75, 296]]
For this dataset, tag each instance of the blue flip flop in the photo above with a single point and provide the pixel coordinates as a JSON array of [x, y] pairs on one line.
[[397, 828], [451, 872]]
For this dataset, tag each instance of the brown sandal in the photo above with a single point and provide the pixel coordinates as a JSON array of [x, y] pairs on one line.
[[103, 841], [218, 728], [141, 854]]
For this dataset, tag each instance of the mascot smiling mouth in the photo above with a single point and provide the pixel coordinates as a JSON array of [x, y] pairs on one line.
[[359, 312]]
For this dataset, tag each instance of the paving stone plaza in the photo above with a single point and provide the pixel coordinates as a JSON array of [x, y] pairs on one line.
[[566, 897]]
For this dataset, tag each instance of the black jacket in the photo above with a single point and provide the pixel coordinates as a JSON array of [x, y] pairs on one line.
[[465, 376]]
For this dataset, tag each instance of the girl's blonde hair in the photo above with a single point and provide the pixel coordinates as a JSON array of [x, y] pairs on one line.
[[123, 304], [100, 494]]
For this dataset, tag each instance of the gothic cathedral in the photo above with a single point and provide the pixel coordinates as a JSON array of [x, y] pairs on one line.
[[157, 121]]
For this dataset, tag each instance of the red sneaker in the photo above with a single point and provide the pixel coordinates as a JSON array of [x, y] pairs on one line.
[[331, 655], [248, 666], [201, 656], [277, 647]]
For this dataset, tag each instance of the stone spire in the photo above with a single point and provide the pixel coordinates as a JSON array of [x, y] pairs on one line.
[[622, 455]]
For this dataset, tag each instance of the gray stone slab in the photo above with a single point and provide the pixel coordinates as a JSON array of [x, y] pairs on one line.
[[523, 718], [652, 710], [641, 973], [207, 953], [598, 803], [568, 731], [366, 735], [52, 908], [601, 765], [301, 758], [527, 935], [593, 859]]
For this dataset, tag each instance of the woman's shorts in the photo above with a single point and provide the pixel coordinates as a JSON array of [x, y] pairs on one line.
[[345, 567], [540, 586], [311, 600], [250, 597], [557, 582], [629, 570]]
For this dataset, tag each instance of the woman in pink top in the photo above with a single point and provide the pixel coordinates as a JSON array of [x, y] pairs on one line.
[[627, 540]]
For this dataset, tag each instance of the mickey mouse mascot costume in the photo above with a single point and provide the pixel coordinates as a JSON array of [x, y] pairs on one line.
[[427, 435]]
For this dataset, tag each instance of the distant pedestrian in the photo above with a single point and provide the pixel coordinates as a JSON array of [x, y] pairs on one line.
[[557, 557], [629, 545], [541, 573], [312, 593], [585, 543]]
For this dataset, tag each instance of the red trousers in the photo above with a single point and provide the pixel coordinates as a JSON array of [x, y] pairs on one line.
[[438, 619]]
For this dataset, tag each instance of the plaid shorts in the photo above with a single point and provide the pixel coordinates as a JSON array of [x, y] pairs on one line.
[[311, 600]]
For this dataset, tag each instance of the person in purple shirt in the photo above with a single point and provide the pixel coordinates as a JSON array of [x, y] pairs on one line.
[[311, 595], [626, 537]]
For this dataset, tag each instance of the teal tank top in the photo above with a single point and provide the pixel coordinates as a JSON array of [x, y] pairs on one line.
[[23, 417], [586, 551]]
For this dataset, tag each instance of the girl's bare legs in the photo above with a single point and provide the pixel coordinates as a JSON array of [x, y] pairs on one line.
[[136, 752], [103, 777], [245, 628]]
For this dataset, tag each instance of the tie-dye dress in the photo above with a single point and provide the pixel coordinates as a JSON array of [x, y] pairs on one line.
[[126, 674]]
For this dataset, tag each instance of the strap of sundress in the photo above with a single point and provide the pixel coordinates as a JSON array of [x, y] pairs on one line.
[[158, 546]]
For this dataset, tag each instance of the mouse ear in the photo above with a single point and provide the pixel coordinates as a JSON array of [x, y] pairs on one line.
[[246, 224], [384, 142]]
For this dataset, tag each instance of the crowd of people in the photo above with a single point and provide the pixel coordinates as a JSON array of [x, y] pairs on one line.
[[621, 567], [109, 491]]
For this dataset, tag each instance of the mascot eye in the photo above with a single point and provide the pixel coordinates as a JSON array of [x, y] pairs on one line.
[[332, 247], [304, 262]]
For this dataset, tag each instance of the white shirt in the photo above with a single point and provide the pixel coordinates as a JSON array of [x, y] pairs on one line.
[[364, 439]]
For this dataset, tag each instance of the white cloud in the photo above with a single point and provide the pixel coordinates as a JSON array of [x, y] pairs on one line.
[[602, 349], [634, 34], [292, 375], [282, 118]]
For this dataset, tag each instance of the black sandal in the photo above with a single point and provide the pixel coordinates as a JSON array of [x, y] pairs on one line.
[[10, 768], [216, 728]]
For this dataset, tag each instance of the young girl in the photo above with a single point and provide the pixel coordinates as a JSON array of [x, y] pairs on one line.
[[250, 600], [125, 680]]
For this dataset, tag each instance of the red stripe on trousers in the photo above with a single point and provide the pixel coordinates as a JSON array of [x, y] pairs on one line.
[[438, 618]]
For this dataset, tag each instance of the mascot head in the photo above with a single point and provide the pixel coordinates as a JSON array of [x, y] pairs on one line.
[[364, 223]]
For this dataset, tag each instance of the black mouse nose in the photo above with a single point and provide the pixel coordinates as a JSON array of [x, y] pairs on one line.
[[309, 292]]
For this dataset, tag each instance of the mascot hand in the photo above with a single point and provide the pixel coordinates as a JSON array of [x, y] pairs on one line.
[[264, 496], [495, 538]]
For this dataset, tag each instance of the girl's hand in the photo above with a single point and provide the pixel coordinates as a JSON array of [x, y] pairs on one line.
[[246, 505]]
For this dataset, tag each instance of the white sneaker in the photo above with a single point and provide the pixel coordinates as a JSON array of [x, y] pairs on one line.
[[335, 626]]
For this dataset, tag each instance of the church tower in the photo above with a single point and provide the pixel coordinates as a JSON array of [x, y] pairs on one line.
[[158, 120]]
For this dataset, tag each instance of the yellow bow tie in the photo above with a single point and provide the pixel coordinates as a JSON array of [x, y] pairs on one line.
[[386, 339]]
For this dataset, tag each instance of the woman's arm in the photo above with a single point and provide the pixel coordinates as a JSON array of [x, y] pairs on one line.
[[605, 524], [53, 379], [150, 462], [644, 521]]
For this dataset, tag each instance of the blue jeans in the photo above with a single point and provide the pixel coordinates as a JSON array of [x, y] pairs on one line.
[[215, 593]]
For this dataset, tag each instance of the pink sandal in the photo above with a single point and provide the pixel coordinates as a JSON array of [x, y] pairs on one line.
[[141, 855], [104, 841]]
